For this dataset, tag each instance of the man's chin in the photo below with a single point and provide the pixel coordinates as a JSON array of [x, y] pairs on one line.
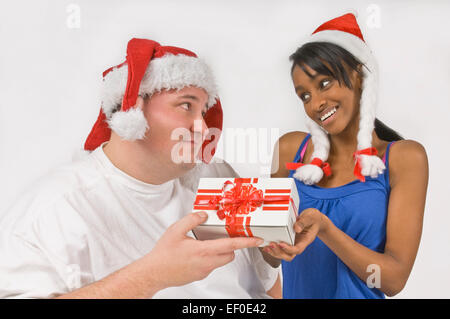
[[186, 166]]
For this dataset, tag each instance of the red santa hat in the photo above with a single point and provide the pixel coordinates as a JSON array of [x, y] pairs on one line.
[[345, 32], [150, 68]]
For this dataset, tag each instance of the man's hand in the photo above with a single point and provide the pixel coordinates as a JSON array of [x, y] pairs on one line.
[[178, 259], [175, 260]]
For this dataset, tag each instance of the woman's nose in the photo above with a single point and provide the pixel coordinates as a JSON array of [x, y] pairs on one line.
[[319, 103]]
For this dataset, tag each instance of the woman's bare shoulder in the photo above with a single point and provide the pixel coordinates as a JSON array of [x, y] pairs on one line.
[[292, 139], [407, 157], [285, 151]]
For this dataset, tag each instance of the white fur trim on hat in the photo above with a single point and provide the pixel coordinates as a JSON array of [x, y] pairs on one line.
[[176, 72], [371, 165], [168, 72]]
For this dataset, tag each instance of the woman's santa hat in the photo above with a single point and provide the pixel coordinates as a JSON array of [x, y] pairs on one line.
[[150, 68], [345, 32]]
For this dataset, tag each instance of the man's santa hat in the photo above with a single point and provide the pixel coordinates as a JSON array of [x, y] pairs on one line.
[[345, 32], [150, 68]]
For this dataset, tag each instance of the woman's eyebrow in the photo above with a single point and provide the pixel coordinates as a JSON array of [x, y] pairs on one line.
[[299, 88]]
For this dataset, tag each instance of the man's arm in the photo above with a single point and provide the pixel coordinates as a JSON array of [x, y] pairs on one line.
[[175, 260], [276, 290]]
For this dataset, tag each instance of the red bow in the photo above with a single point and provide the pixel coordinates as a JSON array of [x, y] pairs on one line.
[[357, 157], [237, 199], [325, 166]]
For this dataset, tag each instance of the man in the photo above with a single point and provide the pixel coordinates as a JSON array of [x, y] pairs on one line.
[[106, 226]]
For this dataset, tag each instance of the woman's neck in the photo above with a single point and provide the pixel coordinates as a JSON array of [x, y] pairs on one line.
[[344, 144]]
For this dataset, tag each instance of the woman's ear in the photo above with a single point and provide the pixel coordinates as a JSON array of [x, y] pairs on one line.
[[358, 77]]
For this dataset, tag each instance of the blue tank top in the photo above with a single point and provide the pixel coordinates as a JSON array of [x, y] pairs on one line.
[[360, 210]]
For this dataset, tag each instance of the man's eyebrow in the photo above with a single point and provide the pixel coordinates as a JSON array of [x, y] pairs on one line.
[[188, 96]]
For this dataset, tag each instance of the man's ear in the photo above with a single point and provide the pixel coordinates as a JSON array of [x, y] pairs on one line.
[[140, 101]]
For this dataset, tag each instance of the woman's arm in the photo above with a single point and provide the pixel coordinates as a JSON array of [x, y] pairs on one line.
[[284, 151], [409, 179]]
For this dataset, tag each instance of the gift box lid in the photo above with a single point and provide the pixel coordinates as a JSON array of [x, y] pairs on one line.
[[280, 200]]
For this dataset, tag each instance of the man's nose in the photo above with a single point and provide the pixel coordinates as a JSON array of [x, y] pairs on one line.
[[199, 127]]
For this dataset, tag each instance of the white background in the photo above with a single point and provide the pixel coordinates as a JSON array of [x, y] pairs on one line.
[[52, 55]]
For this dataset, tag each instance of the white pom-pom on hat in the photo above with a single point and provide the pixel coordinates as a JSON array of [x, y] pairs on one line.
[[130, 125]]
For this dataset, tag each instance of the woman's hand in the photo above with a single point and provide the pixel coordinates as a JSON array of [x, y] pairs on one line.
[[310, 224]]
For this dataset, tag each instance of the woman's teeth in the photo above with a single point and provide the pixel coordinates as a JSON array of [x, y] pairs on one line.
[[323, 118]]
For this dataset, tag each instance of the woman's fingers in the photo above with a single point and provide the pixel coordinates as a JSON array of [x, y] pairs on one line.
[[276, 251]]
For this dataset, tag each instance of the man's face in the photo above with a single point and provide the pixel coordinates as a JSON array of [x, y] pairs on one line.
[[177, 128]]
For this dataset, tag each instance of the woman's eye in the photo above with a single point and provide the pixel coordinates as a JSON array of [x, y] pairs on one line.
[[324, 83], [304, 97]]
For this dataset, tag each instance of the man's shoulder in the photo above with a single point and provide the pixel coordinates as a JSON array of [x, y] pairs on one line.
[[46, 192], [67, 178]]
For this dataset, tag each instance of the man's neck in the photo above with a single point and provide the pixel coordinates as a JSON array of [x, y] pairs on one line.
[[136, 162]]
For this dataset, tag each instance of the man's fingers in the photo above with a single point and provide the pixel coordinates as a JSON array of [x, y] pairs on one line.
[[223, 259], [226, 245], [189, 222]]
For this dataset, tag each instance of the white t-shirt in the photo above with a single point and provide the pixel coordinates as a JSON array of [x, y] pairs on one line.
[[88, 219]]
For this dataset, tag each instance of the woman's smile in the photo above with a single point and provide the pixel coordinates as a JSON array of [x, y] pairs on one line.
[[328, 116]]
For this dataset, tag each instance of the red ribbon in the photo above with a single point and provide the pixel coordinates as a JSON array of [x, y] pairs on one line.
[[237, 199], [357, 157], [325, 166]]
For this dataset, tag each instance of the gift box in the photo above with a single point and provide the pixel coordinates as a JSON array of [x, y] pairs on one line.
[[247, 207]]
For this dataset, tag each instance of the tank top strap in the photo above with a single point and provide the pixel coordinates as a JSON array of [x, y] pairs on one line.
[[386, 163], [302, 149], [386, 155]]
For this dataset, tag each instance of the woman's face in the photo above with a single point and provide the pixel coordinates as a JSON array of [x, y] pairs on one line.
[[177, 127], [333, 106]]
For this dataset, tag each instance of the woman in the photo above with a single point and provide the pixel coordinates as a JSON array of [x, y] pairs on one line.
[[361, 211]]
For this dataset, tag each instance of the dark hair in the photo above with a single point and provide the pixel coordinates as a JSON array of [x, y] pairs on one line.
[[332, 60]]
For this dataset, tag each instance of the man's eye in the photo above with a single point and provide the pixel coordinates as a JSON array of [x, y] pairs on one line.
[[186, 106]]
